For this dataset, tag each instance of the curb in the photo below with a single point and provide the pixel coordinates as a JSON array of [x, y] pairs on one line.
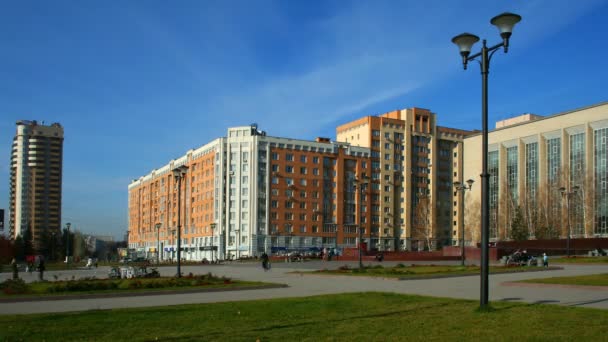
[[561, 286], [136, 294]]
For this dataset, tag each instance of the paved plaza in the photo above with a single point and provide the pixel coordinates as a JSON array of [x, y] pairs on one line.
[[466, 287]]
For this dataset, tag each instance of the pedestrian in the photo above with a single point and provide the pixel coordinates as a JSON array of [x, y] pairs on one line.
[[265, 264], [15, 269], [41, 269], [545, 260]]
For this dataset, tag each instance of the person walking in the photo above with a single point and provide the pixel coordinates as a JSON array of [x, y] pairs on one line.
[[265, 264], [41, 269], [545, 260], [15, 269]]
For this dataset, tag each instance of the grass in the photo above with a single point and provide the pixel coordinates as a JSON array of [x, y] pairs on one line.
[[586, 280], [344, 317], [421, 271], [580, 260]]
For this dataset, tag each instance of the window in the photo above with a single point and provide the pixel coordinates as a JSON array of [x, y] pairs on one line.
[[303, 182], [289, 157], [289, 169], [303, 170], [275, 168], [274, 203], [303, 158], [275, 156], [315, 160]]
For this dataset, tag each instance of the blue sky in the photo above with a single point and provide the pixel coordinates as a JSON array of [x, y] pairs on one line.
[[138, 83]]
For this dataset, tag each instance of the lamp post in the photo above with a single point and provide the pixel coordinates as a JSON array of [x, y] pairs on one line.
[[52, 246], [158, 225], [568, 195], [178, 174], [465, 41], [360, 182], [462, 188], [213, 225], [67, 244]]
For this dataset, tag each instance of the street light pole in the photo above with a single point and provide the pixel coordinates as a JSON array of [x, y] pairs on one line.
[[568, 195], [462, 188], [158, 244], [67, 245], [465, 41], [213, 225], [178, 174], [360, 183]]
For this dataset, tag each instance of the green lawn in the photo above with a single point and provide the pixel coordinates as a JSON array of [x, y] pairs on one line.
[[580, 260], [588, 280], [345, 317], [420, 271]]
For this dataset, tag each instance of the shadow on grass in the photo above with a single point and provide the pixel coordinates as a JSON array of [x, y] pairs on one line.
[[509, 299], [303, 324], [589, 302]]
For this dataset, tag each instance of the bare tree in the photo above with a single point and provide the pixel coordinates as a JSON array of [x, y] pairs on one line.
[[586, 198], [530, 204], [422, 226], [549, 210], [507, 205], [472, 221]]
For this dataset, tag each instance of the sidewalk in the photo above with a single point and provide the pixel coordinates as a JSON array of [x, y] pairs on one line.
[[302, 285]]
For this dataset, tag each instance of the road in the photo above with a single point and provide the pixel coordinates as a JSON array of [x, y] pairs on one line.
[[310, 285]]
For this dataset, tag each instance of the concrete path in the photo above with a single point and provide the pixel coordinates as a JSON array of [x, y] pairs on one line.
[[310, 285]]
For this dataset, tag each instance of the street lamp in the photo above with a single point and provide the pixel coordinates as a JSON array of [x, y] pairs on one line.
[[158, 225], [67, 245], [363, 180], [53, 245], [568, 195], [465, 41], [213, 225], [462, 188], [178, 174]]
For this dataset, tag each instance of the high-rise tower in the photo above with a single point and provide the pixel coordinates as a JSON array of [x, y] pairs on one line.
[[35, 180]]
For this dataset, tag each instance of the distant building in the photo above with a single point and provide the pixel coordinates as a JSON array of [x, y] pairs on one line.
[[529, 159], [414, 163], [95, 242], [249, 193], [35, 180]]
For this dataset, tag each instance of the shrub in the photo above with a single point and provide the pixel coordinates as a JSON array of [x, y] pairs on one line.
[[400, 265], [344, 268], [14, 286], [135, 284]]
